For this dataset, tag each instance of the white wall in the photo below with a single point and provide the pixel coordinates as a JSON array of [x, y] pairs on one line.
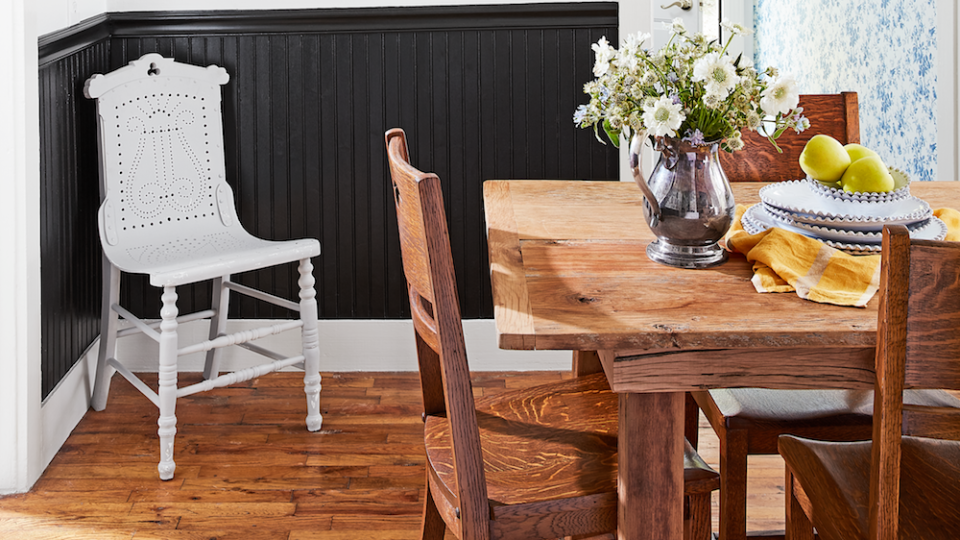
[[57, 14]]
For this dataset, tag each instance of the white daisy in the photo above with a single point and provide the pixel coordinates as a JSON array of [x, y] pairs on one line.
[[628, 57], [735, 28], [718, 74], [736, 143], [604, 54], [712, 101], [633, 41], [664, 117], [677, 26], [780, 97]]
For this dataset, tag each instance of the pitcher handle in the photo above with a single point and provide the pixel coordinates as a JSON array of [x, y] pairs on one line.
[[636, 166]]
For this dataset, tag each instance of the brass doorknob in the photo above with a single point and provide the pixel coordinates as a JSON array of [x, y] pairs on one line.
[[682, 4]]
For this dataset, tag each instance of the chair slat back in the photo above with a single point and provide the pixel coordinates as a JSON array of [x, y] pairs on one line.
[[917, 346], [428, 267], [161, 151], [837, 115], [933, 318]]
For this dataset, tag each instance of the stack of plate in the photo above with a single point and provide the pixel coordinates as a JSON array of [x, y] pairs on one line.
[[851, 222]]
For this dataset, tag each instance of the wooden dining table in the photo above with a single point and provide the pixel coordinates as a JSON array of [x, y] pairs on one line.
[[569, 271]]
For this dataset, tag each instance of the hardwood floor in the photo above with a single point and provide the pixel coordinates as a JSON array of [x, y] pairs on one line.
[[247, 468]]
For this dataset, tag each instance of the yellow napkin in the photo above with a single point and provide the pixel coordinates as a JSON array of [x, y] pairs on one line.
[[784, 261]]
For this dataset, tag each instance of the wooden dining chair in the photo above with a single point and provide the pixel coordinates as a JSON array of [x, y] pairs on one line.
[[837, 115], [748, 421], [532, 463], [902, 484]]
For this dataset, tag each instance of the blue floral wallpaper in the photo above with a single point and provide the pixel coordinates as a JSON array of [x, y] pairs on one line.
[[885, 50]]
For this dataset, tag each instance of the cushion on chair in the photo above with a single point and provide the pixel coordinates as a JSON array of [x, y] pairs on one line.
[[746, 407], [542, 443], [836, 478]]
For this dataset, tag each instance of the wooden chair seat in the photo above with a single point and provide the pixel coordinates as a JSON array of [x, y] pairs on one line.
[[553, 442], [837, 476]]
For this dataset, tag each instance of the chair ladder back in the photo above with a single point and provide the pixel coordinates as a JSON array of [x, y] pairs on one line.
[[933, 324], [416, 264], [888, 387], [918, 346], [836, 115], [425, 247]]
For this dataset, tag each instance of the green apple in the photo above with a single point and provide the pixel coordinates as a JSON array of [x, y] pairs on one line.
[[824, 158], [867, 175], [857, 151]]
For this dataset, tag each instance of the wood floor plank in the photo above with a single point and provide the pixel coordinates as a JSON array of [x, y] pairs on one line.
[[213, 496], [279, 526], [378, 502], [248, 469], [233, 510]]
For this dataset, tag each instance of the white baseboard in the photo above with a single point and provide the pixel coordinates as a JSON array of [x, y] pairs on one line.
[[66, 404], [345, 345]]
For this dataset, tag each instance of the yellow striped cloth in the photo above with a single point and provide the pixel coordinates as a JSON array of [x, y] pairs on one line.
[[784, 261]]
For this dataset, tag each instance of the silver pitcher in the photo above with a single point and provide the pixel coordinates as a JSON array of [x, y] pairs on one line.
[[688, 203]]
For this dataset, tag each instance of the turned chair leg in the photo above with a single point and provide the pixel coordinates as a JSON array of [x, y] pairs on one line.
[[108, 335], [218, 326], [167, 391], [733, 492], [311, 344]]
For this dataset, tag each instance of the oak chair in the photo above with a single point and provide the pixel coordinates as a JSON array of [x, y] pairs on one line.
[[837, 115], [167, 211], [900, 484], [539, 462], [748, 421]]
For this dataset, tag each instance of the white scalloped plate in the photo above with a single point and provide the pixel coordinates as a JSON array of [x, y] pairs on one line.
[[901, 189], [866, 225], [756, 220], [796, 197]]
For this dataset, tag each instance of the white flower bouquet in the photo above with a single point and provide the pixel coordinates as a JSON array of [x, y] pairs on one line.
[[690, 89]]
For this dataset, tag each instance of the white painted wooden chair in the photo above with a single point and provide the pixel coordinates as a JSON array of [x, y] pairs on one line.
[[167, 211]]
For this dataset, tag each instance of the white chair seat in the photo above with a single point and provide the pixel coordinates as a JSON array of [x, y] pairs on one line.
[[199, 258]]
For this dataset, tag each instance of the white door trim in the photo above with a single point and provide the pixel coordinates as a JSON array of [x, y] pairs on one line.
[[20, 241]]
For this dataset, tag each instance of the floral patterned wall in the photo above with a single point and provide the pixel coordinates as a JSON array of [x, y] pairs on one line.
[[885, 50]]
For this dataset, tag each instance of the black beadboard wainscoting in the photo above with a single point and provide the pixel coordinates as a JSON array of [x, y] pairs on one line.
[[483, 92]]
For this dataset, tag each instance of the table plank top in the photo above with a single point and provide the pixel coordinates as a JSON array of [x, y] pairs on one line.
[[570, 271]]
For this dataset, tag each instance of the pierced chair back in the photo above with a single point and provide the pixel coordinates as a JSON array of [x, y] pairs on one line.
[[165, 199], [167, 211], [837, 115]]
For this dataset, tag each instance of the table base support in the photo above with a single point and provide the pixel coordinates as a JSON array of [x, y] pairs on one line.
[[651, 466]]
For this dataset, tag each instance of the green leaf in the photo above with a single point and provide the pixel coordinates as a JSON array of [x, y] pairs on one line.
[[612, 134], [596, 133]]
